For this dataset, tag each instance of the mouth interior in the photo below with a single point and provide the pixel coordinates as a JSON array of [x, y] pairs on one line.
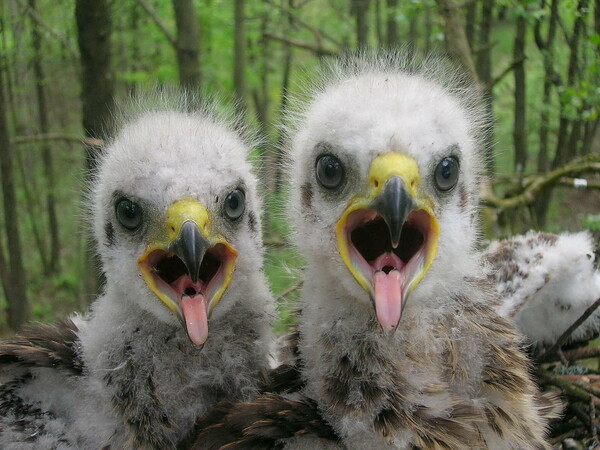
[[172, 275], [371, 239]]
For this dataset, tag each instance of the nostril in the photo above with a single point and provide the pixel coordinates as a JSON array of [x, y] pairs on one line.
[[375, 183], [190, 291]]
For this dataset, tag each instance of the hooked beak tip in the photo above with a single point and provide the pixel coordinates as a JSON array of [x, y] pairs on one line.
[[191, 246], [394, 204]]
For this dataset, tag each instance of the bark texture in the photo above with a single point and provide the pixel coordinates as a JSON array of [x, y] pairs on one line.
[[187, 44], [14, 275]]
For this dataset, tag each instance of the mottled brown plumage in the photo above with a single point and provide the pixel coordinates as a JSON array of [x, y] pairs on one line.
[[44, 345], [261, 423]]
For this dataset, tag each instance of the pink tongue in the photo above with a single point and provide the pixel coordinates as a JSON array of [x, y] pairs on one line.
[[388, 298], [194, 315]]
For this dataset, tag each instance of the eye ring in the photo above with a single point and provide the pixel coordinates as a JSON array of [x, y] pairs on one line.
[[129, 214], [329, 171], [235, 204], [446, 173]]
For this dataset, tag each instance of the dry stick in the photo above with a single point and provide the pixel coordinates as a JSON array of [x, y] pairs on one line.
[[314, 31], [493, 82], [581, 353], [587, 378], [287, 292], [593, 420], [319, 50], [54, 137], [539, 183], [567, 435], [573, 182], [578, 411], [580, 382], [159, 23], [561, 340], [64, 42], [567, 387], [276, 243]]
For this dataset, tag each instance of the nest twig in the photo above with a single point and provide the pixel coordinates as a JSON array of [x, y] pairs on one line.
[[580, 391]]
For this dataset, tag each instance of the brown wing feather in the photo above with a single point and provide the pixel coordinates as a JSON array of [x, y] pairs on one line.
[[261, 423], [44, 345]]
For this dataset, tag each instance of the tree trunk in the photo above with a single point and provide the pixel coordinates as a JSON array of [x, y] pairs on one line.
[[484, 71], [52, 265], [16, 297], [97, 88], [360, 8], [428, 28], [239, 56], [378, 24], [484, 58], [546, 47], [471, 17], [93, 35], [276, 164], [392, 24], [187, 44], [563, 152], [411, 45], [455, 37], [520, 125]]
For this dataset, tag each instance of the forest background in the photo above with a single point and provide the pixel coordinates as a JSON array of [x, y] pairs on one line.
[[63, 64]]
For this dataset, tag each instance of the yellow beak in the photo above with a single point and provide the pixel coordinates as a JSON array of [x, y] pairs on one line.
[[389, 227], [185, 259]]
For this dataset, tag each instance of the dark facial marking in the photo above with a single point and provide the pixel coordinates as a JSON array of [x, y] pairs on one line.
[[252, 221], [307, 195], [109, 231], [464, 198]]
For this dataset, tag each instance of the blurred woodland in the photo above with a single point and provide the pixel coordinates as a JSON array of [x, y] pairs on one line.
[[62, 65]]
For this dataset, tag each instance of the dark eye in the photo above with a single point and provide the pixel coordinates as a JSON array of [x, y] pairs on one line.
[[235, 204], [446, 173], [330, 171], [129, 214]]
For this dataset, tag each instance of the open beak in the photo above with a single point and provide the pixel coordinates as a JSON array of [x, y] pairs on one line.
[[387, 237], [187, 267]]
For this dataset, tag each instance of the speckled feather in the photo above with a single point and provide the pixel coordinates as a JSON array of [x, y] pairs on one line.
[[546, 282]]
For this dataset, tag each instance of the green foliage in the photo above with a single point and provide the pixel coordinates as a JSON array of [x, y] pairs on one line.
[[592, 222]]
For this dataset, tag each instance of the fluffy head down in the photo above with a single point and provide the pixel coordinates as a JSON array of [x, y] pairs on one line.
[[365, 107], [164, 153]]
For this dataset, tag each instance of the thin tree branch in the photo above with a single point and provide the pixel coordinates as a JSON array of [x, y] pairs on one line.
[[287, 292], [569, 434], [505, 72], [579, 183], [567, 387], [318, 49], [540, 183], [36, 18], [563, 337], [57, 137], [159, 23], [576, 354], [314, 31]]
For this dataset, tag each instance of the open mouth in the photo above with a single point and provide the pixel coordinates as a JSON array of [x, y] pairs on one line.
[[389, 273], [168, 276]]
